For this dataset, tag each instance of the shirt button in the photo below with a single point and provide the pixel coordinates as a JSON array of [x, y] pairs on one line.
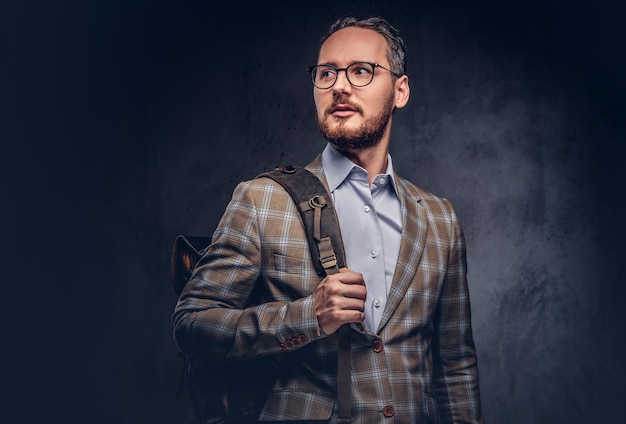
[[388, 411], [377, 345], [382, 180], [373, 253], [366, 209], [377, 303]]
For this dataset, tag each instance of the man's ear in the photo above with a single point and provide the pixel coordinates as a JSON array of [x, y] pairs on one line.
[[402, 91]]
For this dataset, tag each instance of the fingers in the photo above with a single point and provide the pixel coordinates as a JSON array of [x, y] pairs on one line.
[[338, 288], [340, 299], [346, 276]]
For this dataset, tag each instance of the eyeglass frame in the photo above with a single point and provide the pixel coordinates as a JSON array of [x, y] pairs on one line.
[[372, 64]]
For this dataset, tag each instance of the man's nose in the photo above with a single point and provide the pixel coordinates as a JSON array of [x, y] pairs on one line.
[[342, 85]]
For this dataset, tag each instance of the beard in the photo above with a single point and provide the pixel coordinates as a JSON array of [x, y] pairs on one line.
[[367, 135]]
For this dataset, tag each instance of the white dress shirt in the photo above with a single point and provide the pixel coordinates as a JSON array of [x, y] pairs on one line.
[[370, 218]]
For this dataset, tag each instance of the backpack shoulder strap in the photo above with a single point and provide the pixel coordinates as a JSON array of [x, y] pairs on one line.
[[322, 228], [318, 216]]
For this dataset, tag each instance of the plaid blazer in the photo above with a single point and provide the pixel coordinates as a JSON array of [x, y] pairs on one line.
[[252, 295]]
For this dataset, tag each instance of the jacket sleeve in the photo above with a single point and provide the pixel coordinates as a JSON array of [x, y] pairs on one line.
[[455, 368], [214, 317]]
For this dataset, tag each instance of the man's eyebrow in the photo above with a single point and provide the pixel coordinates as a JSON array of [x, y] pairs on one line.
[[334, 64]]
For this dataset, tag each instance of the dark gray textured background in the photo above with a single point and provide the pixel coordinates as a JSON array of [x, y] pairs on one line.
[[126, 123]]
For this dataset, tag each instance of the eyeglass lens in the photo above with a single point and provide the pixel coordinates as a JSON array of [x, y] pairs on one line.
[[359, 74]]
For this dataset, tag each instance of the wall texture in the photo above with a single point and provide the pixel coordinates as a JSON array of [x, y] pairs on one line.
[[130, 122]]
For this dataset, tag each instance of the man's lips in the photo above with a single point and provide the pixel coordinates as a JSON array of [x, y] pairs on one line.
[[343, 110]]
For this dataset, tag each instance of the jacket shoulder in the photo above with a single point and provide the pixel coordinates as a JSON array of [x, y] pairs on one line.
[[424, 197]]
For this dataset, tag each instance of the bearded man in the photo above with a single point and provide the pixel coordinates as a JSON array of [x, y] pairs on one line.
[[404, 293]]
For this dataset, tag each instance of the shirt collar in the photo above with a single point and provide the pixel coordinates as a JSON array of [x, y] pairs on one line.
[[337, 168]]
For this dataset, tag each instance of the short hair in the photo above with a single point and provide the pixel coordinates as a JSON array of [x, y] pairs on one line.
[[396, 49]]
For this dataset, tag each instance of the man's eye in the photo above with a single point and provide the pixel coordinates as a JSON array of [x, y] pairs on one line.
[[327, 73], [361, 71]]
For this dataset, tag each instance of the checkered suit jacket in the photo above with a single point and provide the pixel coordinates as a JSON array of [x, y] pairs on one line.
[[252, 294]]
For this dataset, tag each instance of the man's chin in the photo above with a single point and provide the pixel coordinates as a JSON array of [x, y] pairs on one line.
[[342, 135], [353, 134], [350, 143], [342, 130], [339, 125]]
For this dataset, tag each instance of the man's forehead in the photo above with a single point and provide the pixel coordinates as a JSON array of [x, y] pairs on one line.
[[353, 43]]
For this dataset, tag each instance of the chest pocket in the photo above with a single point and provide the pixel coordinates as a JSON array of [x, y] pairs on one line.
[[288, 264]]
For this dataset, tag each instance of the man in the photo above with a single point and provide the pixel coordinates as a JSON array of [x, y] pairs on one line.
[[404, 294]]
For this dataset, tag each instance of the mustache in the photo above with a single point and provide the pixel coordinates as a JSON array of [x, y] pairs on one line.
[[344, 103]]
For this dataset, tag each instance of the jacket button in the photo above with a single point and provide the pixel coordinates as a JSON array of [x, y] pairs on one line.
[[295, 341], [302, 338], [282, 346], [288, 343], [377, 345], [388, 411]]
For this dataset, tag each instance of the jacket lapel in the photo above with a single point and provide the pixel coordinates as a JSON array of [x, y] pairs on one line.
[[414, 229]]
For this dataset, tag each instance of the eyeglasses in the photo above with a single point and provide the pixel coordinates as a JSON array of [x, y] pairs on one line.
[[359, 74]]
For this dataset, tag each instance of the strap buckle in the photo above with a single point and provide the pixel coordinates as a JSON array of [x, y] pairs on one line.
[[327, 254]]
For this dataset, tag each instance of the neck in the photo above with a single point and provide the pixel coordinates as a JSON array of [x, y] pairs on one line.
[[372, 159]]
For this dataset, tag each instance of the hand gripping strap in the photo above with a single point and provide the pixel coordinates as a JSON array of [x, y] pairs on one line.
[[324, 235]]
